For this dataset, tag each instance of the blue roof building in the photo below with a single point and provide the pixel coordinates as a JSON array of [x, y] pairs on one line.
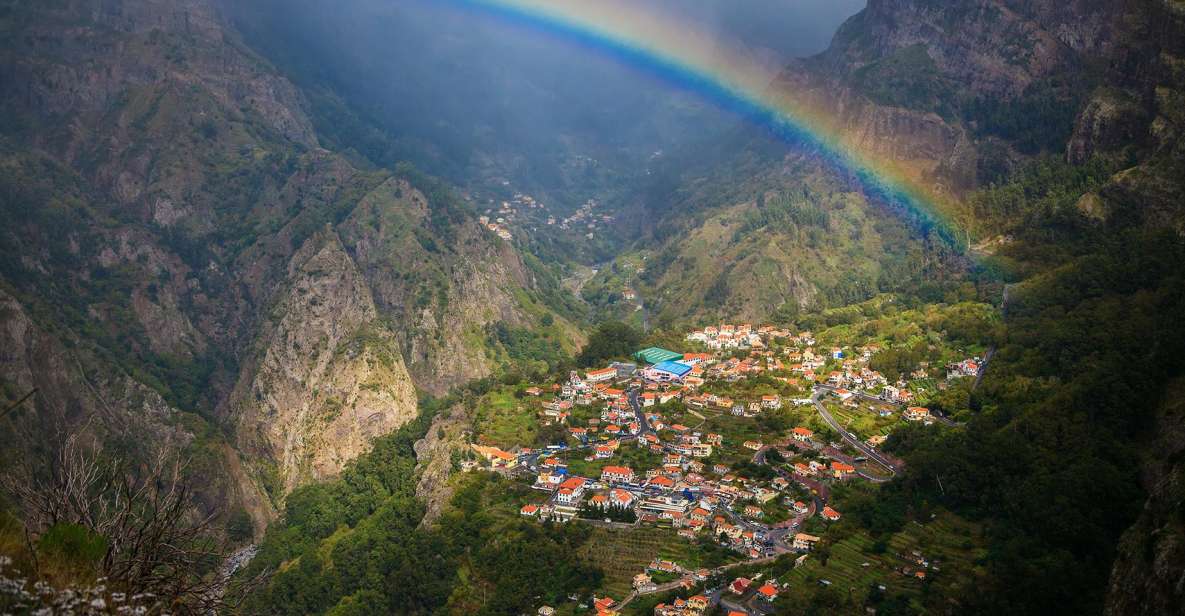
[[668, 370]]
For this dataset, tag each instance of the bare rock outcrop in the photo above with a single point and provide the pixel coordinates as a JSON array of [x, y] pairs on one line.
[[79, 393], [446, 438], [329, 377]]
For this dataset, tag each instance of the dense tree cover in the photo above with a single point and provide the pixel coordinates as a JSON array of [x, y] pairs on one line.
[[1039, 120], [1049, 458], [611, 340], [527, 347], [802, 208], [354, 546], [896, 362], [378, 486]]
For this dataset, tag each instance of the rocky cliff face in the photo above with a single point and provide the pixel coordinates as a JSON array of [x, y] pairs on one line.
[[446, 439], [931, 85], [328, 377], [180, 237], [997, 47], [77, 392], [443, 290], [1149, 573]]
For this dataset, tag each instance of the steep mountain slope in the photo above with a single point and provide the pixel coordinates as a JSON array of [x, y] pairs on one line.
[[957, 92], [960, 95], [329, 379], [776, 237], [178, 230], [1054, 126], [1149, 572], [963, 93], [1054, 131]]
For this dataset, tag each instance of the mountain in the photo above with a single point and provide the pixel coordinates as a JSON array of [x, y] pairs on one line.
[[215, 247], [960, 96], [760, 235], [1052, 129], [964, 92], [183, 243], [970, 95]]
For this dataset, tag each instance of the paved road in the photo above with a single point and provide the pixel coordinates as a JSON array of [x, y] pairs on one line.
[[732, 605], [818, 497], [636, 404], [710, 593], [859, 445]]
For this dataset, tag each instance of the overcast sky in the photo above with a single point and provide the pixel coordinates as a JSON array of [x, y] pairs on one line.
[[788, 28]]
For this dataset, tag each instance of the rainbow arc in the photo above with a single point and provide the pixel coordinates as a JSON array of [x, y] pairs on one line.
[[677, 51]]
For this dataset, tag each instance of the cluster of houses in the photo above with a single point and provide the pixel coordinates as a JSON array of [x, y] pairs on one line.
[[496, 226], [687, 493], [799, 357], [767, 592], [585, 218], [660, 384], [496, 219], [691, 606], [691, 494], [732, 337], [682, 491], [967, 367]]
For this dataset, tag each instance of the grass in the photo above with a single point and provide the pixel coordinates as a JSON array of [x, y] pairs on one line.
[[735, 430], [628, 454], [864, 421], [506, 421]]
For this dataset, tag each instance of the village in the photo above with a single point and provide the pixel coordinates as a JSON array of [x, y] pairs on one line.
[[527, 212], [741, 440]]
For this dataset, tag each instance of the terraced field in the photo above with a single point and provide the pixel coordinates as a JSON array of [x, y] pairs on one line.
[[951, 546], [622, 554]]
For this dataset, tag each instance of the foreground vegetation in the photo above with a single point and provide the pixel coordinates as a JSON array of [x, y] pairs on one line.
[[353, 546]]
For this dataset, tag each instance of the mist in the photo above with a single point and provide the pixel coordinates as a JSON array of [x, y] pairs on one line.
[[485, 102], [774, 29]]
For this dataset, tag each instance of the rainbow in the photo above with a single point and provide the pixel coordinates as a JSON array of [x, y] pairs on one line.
[[679, 52]]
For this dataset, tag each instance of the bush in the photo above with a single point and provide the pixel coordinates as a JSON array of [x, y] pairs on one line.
[[239, 526]]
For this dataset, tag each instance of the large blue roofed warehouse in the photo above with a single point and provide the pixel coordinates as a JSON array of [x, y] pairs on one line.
[[666, 371]]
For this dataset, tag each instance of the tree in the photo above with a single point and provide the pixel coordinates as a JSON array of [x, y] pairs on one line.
[[612, 339], [239, 526], [140, 524]]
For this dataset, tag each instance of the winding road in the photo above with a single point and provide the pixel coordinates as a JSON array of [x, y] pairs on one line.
[[861, 446]]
